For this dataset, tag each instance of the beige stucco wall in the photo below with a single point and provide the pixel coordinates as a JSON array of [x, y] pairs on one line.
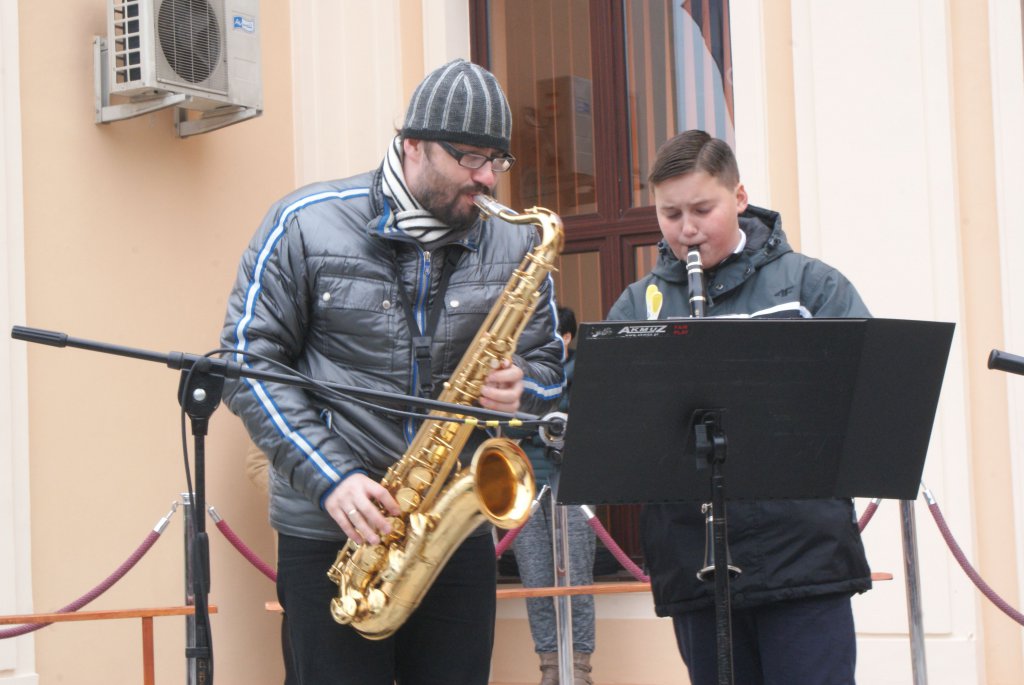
[[132, 237], [875, 145], [980, 247]]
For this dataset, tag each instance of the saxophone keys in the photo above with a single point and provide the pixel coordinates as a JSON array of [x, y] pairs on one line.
[[369, 556], [420, 524], [336, 569], [346, 607], [338, 612], [395, 566], [419, 478], [408, 499], [397, 530], [376, 600]]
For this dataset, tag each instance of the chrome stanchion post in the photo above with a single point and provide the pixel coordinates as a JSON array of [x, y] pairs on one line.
[[553, 435], [914, 613], [563, 603], [188, 511]]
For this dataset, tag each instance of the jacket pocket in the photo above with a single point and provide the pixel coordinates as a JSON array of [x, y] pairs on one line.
[[466, 306], [356, 319]]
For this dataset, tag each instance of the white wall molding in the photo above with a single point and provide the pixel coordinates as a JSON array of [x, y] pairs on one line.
[[445, 32], [345, 113], [334, 97], [750, 97], [1007, 64], [877, 182], [17, 656]]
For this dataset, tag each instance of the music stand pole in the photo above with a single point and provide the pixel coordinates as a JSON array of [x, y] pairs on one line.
[[711, 445]]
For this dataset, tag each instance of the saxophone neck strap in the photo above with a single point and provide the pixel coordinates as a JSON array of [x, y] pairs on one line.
[[421, 340]]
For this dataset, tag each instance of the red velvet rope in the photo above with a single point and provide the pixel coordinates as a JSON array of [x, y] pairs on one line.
[[638, 573], [869, 511], [961, 559], [153, 536], [616, 551], [251, 556], [506, 541]]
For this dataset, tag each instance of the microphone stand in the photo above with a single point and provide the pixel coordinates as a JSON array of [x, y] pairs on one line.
[[230, 369], [199, 392]]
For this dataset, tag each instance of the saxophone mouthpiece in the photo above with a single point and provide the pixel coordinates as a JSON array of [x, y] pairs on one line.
[[489, 205]]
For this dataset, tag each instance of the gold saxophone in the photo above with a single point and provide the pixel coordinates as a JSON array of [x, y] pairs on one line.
[[380, 585]]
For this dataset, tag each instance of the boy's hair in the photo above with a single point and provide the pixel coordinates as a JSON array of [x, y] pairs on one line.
[[691, 151], [566, 321]]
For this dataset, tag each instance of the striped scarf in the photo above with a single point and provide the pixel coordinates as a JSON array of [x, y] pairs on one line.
[[409, 216]]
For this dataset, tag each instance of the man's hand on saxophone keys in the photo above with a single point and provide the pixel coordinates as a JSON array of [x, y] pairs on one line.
[[355, 505], [503, 388]]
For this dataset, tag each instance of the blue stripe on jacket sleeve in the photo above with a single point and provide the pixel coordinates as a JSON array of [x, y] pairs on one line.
[[263, 396]]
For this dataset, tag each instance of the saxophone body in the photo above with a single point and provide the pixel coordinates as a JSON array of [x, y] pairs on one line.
[[380, 585]]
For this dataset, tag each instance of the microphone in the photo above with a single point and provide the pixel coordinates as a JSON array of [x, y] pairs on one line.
[[1004, 361]]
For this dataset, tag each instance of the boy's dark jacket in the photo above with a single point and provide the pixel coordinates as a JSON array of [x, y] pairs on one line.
[[786, 549]]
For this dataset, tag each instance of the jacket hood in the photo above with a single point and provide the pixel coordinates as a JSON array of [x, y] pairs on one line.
[[766, 241]]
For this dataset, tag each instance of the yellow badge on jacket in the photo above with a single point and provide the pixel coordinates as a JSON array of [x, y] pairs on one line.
[[654, 299]]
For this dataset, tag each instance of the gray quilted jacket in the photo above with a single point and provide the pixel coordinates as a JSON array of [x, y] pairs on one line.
[[317, 290], [788, 549]]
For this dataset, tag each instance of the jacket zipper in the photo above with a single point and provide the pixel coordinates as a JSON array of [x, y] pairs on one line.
[[423, 292], [420, 313]]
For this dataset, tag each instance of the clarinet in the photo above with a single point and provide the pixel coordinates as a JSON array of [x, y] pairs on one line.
[[695, 276]]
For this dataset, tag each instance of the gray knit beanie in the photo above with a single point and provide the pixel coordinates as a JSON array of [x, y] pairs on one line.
[[460, 102]]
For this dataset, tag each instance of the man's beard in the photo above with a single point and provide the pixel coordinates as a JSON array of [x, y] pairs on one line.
[[446, 204], [450, 208]]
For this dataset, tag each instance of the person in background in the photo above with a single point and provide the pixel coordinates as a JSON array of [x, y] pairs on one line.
[[801, 561], [382, 281], [534, 555]]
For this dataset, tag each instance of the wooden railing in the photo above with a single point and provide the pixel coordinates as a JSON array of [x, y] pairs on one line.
[[613, 588], [148, 671]]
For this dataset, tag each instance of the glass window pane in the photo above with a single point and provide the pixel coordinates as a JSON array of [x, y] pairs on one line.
[[577, 285], [540, 51], [678, 72], [645, 257]]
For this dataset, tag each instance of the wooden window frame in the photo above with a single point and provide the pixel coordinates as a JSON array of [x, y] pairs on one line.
[[617, 227]]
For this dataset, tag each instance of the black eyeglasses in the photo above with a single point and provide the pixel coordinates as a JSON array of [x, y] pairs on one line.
[[474, 160]]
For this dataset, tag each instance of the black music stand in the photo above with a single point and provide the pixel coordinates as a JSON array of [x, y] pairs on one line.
[[808, 409]]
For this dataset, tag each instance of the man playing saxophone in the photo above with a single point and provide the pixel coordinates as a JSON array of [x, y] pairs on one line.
[[382, 281]]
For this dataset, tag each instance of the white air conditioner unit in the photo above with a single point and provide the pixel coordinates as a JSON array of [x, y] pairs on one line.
[[196, 55]]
